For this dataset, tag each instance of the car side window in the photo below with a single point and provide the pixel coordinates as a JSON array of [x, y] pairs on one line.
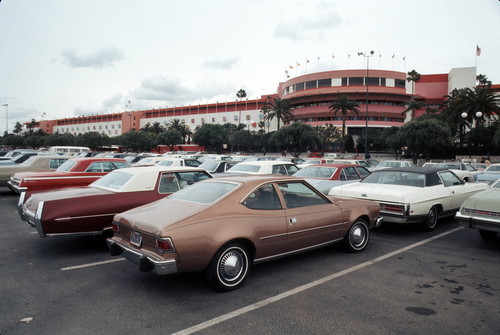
[[350, 173], [107, 166], [168, 183], [56, 162], [291, 169], [300, 195], [263, 198], [449, 178], [279, 169], [363, 172], [94, 167]]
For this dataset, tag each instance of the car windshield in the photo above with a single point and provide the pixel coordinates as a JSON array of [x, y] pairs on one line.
[[395, 178], [245, 168], [315, 172], [166, 162], [209, 166], [496, 185], [493, 168], [312, 161], [389, 164], [66, 166], [204, 193], [29, 161], [114, 180], [448, 166]]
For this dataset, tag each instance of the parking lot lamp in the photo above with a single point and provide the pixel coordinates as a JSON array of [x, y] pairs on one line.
[[6, 117], [367, 56]]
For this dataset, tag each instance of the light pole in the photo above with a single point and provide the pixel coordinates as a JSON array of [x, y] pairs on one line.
[[367, 56], [464, 116], [6, 117]]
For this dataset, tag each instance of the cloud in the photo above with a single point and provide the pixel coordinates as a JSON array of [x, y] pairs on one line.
[[220, 64], [163, 90], [104, 57], [304, 28]]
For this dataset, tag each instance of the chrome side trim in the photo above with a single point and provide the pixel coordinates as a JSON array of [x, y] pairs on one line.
[[68, 218], [298, 251], [20, 204], [38, 219]]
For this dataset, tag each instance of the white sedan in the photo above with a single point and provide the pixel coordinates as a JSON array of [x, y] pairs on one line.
[[412, 194], [264, 167]]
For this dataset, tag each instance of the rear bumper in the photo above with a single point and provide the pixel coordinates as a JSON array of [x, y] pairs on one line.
[[15, 188], [478, 222], [145, 262]]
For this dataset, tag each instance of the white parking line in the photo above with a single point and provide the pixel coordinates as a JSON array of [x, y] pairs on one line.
[[299, 289], [93, 264]]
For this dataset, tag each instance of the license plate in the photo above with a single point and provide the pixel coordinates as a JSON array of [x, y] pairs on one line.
[[136, 239]]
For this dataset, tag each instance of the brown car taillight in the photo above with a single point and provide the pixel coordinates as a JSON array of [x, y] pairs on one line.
[[116, 226], [164, 244]]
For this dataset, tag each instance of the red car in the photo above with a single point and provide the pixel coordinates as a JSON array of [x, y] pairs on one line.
[[89, 210], [326, 176], [73, 172]]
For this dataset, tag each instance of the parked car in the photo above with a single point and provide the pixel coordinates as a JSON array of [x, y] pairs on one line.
[[325, 176], [33, 164], [482, 211], [13, 153], [264, 167], [412, 194], [392, 164], [216, 166], [224, 225], [464, 171], [90, 209], [311, 161], [18, 159], [73, 172], [489, 175], [361, 162], [179, 162]]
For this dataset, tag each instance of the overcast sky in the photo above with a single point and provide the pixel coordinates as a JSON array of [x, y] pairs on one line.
[[62, 58]]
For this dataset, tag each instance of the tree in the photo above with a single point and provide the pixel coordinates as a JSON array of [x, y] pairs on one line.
[[93, 140], [155, 128], [13, 141], [483, 81], [413, 77], [277, 108], [211, 136], [412, 106], [182, 128], [422, 136], [344, 106], [169, 137], [329, 135], [137, 140], [18, 128], [241, 94], [296, 138]]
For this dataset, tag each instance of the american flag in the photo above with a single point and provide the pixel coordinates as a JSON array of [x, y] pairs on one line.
[[478, 50]]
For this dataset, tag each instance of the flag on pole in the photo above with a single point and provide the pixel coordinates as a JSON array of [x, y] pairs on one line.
[[307, 60], [291, 67], [478, 50], [392, 55], [298, 64]]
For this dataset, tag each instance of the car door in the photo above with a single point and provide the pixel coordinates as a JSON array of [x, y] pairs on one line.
[[456, 188], [311, 218]]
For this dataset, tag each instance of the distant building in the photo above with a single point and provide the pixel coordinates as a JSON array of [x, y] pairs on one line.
[[309, 95]]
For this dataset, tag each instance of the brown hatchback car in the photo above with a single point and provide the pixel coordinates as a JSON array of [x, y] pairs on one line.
[[224, 225]]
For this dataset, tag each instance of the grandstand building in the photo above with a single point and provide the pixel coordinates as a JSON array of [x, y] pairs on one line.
[[381, 95]]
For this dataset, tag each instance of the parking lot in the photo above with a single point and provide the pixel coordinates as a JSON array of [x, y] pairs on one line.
[[406, 282]]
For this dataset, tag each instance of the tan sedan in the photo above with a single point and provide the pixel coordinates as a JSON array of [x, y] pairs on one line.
[[224, 225]]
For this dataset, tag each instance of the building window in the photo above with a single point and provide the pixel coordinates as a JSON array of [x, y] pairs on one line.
[[371, 81], [298, 87], [345, 82], [310, 84], [356, 81], [382, 82], [400, 83], [324, 83]]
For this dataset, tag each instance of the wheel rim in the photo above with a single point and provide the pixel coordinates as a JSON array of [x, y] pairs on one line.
[[432, 218], [232, 266], [358, 235]]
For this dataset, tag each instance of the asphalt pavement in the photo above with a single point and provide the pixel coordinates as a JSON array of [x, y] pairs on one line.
[[406, 282]]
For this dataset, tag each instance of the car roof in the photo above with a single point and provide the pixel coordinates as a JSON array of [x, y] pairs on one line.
[[414, 169], [264, 163], [336, 165]]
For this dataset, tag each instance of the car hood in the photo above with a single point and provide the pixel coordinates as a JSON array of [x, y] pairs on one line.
[[485, 200], [156, 216], [376, 192]]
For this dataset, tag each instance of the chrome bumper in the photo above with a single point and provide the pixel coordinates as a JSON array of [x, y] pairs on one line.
[[15, 188], [478, 223], [145, 263]]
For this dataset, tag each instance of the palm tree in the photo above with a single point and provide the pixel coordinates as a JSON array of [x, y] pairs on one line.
[[277, 108], [413, 105], [413, 76], [344, 106], [181, 127], [241, 94], [483, 81]]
